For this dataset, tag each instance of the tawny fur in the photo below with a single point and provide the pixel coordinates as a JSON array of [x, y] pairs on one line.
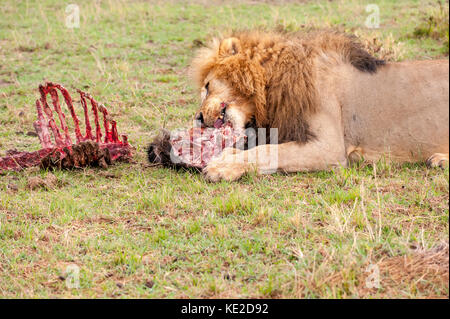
[[331, 101], [276, 73]]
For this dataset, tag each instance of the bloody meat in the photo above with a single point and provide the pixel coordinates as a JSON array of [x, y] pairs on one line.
[[194, 147], [90, 149]]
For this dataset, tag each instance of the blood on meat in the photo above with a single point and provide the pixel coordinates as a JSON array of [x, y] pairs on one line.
[[88, 150]]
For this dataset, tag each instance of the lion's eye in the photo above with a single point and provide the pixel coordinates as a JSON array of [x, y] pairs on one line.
[[207, 88], [204, 93]]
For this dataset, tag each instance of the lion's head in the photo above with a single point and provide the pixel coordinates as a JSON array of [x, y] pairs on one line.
[[267, 79]]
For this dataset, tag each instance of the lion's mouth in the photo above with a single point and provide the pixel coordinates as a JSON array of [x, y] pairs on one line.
[[222, 118], [219, 123]]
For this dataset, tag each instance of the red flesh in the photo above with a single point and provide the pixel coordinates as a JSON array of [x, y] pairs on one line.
[[197, 146], [119, 149]]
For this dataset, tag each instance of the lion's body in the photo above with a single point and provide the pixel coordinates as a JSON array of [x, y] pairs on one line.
[[331, 101], [401, 112]]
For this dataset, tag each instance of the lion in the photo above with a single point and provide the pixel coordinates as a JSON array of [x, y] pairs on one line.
[[331, 102]]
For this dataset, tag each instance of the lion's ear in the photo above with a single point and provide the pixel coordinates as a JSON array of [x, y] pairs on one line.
[[229, 46]]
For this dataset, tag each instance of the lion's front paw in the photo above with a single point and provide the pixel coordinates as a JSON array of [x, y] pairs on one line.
[[230, 172], [228, 166], [437, 160]]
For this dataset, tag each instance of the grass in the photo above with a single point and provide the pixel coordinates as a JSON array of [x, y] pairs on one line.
[[435, 25], [137, 231]]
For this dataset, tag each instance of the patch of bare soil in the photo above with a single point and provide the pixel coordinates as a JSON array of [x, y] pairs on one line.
[[5, 82]]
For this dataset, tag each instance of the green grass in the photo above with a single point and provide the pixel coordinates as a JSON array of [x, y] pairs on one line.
[[435, 25], [269, 236]]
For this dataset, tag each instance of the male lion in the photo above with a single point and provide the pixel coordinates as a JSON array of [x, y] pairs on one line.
[[331, 101]]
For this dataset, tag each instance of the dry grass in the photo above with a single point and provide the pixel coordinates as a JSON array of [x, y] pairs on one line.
[[423, 272]]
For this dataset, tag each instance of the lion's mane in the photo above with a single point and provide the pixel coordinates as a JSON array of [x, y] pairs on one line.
[[277, 71]]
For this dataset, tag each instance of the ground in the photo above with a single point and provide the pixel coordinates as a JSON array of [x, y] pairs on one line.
[[140, 231]]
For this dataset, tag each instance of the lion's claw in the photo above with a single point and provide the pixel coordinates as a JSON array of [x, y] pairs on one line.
[[437, 160]]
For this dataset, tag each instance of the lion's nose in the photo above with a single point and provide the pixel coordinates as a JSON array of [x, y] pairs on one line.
[[200, 118]]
